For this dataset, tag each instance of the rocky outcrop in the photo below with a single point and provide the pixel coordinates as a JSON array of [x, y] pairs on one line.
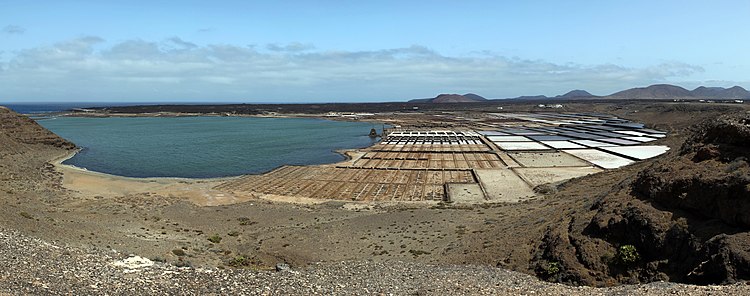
[[25, 151], [710, 176], [25, 130], [686, 217]]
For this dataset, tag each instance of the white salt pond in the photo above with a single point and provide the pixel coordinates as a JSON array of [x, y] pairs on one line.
[[600, 158], [508, 139], [521, 146], [592, 143], [562, 145], [638, 152]]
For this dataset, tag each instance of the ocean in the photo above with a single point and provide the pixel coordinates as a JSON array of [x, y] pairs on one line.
[[205, 147], [39, 108]]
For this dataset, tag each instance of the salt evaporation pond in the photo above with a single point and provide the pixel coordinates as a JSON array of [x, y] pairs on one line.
[[203, 147]]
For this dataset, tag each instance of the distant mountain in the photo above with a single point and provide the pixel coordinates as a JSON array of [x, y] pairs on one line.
[[452, 98], [714, 93], [539, 97], [573, 94], [668, 91], [656, 91], [429, 100], [475, 97], [576, 93]]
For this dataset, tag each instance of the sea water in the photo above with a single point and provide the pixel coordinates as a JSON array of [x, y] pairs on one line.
[[204, 147]]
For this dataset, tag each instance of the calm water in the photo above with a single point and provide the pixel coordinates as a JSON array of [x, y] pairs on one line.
[[37, 108], [200, 147]]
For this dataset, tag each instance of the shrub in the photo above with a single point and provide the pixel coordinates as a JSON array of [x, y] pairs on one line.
[[245, 221], [238, 261], [627, 255], [416, 253], [552, 268], [215, 239]]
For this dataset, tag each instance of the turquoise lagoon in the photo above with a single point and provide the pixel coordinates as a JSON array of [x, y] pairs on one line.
[[205, 147]]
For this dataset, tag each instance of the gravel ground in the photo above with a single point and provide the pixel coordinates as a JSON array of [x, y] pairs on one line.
[[31, 266]]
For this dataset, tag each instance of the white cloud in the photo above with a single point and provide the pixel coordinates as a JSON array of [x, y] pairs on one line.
[[291, 47], [13, 29], [175, 69]]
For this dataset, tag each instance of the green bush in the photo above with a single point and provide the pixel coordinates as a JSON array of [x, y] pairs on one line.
[[238, 261], [215, 239], [552, 268], [627, 255]]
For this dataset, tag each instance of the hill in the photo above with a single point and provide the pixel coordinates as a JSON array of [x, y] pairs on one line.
[[19, 130], [656, 91], [660, 91], [735, 92], [451, 98], [526, 98], [475, 97], [576, 93], [668, 91], [573, 94]]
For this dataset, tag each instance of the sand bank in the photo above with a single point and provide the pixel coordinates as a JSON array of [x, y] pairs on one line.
[[200, 191]]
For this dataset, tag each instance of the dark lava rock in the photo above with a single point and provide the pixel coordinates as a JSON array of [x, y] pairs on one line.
[[711, 174], [687, 214]]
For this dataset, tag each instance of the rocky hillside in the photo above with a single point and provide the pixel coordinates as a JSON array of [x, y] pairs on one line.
[[25, 149], [20, 129], [683, 218]]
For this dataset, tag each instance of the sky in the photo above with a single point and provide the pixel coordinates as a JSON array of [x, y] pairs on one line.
[[362, 51]]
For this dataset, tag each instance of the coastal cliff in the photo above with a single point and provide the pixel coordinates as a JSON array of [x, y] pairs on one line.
[[25, 151]]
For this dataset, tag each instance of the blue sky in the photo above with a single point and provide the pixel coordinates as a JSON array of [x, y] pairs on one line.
[[305, 51]]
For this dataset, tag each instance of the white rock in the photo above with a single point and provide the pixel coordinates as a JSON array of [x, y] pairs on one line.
[[133, 262]]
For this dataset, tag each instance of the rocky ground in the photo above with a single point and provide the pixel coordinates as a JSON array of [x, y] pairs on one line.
[[574, 235], [31, 266]]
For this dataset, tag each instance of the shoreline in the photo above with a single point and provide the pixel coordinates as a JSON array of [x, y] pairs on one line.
[[58, 163], [95, 185], [199, 191], [342, 152]]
